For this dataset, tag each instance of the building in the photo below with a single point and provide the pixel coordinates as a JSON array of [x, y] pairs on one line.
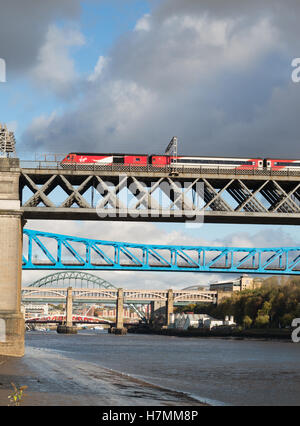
[[183, 321], [34, 310], [106, 311], [243, 283]]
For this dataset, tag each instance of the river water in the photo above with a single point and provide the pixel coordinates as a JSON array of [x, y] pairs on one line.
[[97, 368]]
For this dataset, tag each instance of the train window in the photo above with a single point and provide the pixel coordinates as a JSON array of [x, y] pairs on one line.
[[287, 163], [138, 159], [205, 161], [119, 160]]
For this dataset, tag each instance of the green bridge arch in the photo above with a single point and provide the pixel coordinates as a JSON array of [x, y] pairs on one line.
[[64, 278]]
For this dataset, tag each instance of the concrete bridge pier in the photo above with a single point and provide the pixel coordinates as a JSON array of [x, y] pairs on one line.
[[162, 310], [169, 306], [12, 324], [119, 328], [68, 327]]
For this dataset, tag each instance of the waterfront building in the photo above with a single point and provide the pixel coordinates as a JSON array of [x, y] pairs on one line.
[[32, 309], [243, 283], [183, 321]]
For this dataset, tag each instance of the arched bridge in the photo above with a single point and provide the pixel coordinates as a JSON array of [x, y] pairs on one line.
[[78, 279], [44, 250]]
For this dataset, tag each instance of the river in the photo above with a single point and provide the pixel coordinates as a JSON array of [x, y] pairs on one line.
[[97, 368]]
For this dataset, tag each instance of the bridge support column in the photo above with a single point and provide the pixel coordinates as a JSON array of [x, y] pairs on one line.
[[119, 329], [11, 230], [68, 328], [69, 308], [169, 306]]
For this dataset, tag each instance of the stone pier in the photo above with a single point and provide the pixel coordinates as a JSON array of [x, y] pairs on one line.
[[12, 324], [161, 310], [119, 328], [68, 327], [169, 306]]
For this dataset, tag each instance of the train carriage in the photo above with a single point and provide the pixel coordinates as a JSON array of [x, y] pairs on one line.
[[279, 164], [221, 162]]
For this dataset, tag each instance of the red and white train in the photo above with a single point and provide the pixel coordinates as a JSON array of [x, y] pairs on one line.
[[76, 158]]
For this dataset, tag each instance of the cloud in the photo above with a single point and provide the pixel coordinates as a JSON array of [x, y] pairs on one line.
[[23, 28], [143, 24], [111, 109], [102, 61], [55, 68], [212, 75]]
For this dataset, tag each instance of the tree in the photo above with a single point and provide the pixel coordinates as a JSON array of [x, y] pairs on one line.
[[286, 320], [266, 308], [262, 321], [190, 307], [274, 304], [247, 321]]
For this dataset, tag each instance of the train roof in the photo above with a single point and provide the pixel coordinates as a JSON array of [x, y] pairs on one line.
[[283, 159], [107, 153]]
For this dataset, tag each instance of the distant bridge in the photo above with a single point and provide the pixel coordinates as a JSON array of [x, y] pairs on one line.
[[120, 296], [61, 319], [58, 295], [78, 279], [64, 279]]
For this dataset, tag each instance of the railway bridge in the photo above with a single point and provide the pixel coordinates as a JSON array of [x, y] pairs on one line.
[[45, 191], [148, 193]]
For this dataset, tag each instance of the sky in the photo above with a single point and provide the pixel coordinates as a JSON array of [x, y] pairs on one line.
[[128, 75]]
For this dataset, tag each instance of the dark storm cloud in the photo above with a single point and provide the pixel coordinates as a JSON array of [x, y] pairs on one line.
[[216, 74], [23, 26]]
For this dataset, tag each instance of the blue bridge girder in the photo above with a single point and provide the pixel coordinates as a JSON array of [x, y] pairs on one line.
[[50, 251]]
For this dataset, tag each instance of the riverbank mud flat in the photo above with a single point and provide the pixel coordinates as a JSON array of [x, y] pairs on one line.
[[55, 380]]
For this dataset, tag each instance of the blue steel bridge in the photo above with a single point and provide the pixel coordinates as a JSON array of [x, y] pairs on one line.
[[50, 251]]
